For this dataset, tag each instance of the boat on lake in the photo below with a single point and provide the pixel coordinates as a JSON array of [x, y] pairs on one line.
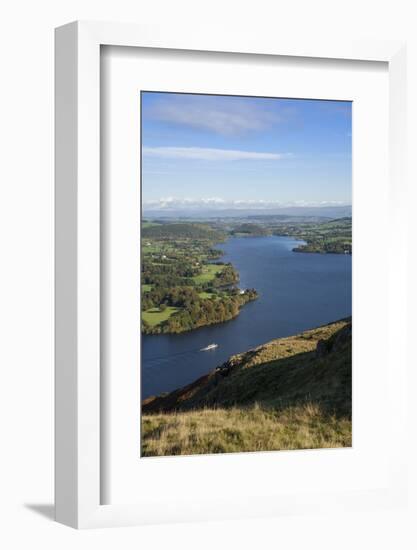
[[209, 347]]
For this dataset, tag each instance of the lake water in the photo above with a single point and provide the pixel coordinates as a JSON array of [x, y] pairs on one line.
[[296, 292]]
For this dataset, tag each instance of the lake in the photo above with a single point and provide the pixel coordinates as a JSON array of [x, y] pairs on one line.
[[297, 291]]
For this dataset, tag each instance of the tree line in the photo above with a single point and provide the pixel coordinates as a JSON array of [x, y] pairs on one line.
[[197, 312]]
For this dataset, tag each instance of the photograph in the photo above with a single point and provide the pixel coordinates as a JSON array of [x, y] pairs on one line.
[[246, 273], [199, 200]]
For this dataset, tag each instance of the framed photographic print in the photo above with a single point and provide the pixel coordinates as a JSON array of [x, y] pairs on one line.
[[246, 274], [216, 206]]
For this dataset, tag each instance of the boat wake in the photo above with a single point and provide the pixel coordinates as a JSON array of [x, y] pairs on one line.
[[210, 347]]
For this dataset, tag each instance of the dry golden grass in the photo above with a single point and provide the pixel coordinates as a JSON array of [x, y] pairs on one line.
[[282, 348], [253, 428]]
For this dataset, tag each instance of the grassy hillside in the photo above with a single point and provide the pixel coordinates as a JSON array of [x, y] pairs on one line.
[[291, 393]]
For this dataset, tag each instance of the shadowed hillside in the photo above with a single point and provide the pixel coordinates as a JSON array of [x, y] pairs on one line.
[[290, 393]]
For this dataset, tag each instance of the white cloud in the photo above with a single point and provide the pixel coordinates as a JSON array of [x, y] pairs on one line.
[[225, 116], [205, 153], [217, 203]]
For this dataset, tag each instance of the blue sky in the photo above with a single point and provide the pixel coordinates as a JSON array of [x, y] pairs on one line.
[[239, 152]]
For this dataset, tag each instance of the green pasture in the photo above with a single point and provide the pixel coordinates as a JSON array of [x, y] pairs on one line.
[[155, 316], [208, 274]]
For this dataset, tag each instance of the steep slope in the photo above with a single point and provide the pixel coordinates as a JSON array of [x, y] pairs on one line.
[[290, 393], [314, 365]]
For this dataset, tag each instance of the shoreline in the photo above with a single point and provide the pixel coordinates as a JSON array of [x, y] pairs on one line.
[[258, 320], [250, 295], [163, 402]]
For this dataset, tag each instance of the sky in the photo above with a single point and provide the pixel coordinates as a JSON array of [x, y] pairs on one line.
[[218, 152]]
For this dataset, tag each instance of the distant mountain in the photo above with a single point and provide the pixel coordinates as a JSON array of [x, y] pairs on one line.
[[316, 211]]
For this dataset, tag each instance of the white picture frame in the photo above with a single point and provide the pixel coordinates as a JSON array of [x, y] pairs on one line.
[[78, 321]]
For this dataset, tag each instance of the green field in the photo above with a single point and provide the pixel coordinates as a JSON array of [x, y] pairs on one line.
[[205, 295], [146, 288], [208, 274], [154, 316], [150, 247]]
